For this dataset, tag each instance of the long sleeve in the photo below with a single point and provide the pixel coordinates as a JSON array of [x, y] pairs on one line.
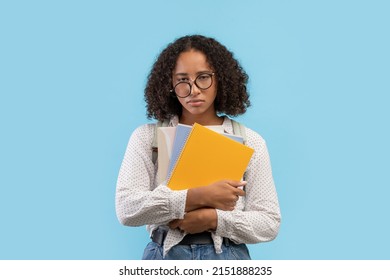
[[138, 200], [257, 214]]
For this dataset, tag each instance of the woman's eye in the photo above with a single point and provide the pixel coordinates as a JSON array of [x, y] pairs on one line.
[[182, 80], [203, 77]]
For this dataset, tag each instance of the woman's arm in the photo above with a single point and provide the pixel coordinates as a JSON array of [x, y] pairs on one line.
[[219, 195], [257, 216], [137, 203]]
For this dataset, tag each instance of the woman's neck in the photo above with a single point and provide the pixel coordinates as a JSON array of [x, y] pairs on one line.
[[203, 120]]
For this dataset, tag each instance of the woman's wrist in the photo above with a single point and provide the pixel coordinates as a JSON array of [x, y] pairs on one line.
[[213, 219], [195, 199]]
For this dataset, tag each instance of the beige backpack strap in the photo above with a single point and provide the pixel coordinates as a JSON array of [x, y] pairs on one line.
[[239, 129], [155, 141]]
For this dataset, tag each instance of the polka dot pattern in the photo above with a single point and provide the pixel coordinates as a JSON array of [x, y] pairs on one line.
[[140, 201]]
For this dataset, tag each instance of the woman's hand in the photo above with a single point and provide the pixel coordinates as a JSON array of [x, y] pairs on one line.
[[219, 195], [196, 221]]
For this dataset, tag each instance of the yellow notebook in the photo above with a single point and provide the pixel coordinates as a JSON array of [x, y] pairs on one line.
[[207, 157]]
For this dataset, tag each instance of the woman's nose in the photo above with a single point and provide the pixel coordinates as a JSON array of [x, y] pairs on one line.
[[194, 89]]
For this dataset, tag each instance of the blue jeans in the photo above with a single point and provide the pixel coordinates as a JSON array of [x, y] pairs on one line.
[[230, 251]]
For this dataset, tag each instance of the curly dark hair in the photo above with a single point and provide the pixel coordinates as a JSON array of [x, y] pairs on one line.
[[232, 97]]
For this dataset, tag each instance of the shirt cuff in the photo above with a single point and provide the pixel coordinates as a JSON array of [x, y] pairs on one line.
[[177, 203], [223, 223]]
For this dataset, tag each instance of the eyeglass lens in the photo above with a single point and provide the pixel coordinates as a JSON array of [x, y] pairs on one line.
[[203, 81]]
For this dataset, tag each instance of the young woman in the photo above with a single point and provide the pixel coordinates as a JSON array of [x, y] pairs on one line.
[[197, 79]]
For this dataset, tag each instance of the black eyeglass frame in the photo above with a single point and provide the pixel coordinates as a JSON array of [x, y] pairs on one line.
[[193, 82]]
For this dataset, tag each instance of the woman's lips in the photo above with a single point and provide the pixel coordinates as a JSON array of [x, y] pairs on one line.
[[195, 102]]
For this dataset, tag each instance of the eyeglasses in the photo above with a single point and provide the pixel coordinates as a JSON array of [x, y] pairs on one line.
[[202, 81]]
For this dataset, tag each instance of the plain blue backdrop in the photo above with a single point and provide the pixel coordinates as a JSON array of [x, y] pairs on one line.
[[72, 75]]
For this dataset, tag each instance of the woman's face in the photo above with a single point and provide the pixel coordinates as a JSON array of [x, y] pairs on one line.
[[189, 65]]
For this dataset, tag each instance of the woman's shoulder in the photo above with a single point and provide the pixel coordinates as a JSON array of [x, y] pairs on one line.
[[144, 132], [253, 138], [146, 127], [148, 131]]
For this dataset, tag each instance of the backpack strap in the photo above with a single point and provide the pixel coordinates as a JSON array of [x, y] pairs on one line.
[[239, 129], [155, 143]]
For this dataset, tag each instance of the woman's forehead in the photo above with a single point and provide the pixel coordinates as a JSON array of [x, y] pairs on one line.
[[191, 62]]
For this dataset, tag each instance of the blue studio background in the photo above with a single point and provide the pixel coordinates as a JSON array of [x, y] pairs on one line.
[[72, 75]]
